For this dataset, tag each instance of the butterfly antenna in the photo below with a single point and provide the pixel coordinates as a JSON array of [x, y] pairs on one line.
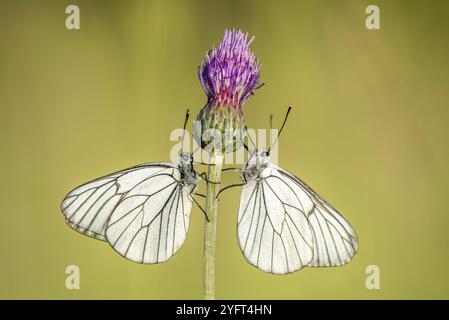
[[250, 139], [184, 131], [282, 127], [197, 148], [243, 142]]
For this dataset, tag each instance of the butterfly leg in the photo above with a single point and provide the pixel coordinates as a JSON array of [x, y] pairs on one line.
[[204, 163], [200, 195], [231, 169], [203, 176], [229, 187], [199, 206]]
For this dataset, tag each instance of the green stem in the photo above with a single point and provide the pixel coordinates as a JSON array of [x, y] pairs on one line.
[[210, 227]]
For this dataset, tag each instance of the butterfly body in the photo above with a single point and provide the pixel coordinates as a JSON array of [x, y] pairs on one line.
[[255, 166], [185, 166]]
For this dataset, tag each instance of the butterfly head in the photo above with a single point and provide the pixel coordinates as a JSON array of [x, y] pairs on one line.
[[257, 161], [185, 165]]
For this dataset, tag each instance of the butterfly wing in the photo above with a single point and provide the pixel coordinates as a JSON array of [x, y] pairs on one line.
[[274, 234], [88, 207], [335, 241], [150, 222], [283, 225]]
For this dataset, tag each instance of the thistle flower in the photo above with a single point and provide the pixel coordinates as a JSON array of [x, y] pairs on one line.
[[229, 75]]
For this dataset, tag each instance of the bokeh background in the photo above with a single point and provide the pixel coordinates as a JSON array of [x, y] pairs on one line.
[[369, 131]]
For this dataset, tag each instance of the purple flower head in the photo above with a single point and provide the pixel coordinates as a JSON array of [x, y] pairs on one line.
[[229, 73]]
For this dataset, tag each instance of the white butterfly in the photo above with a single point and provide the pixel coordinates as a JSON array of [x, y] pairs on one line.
[[283, 225], [143, 212]]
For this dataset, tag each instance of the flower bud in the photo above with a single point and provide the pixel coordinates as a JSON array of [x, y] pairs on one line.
[[229, 75]]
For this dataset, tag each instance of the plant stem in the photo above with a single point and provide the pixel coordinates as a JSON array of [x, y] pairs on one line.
[[210, 226]]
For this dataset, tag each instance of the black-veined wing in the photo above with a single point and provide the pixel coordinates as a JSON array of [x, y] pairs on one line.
[[150, 223], [273, 233], [283, 225], [335, 241], [143, 211], [87, 208]]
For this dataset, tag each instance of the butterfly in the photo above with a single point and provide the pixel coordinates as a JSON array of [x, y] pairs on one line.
[[143, 212], [284, 225]]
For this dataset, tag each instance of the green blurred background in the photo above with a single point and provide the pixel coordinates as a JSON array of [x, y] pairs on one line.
[[369, 131]]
